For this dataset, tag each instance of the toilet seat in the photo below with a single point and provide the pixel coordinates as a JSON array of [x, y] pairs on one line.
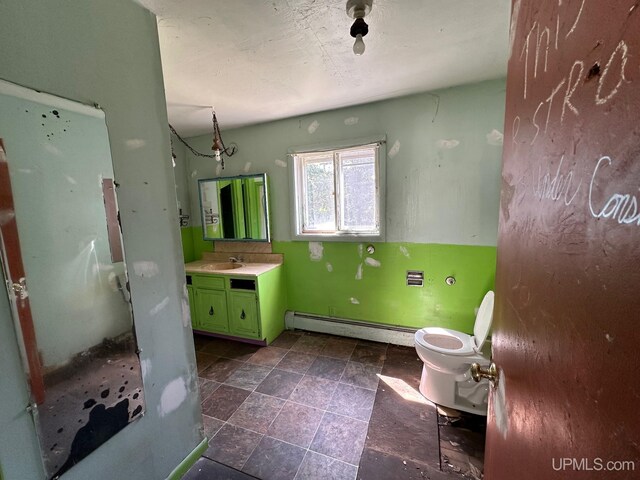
[[445, 341], [452, 342]]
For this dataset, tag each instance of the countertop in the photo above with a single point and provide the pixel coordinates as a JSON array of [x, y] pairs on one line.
[[246, 270]]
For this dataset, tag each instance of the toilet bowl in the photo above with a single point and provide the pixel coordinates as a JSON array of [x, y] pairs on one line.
[[447, 356]]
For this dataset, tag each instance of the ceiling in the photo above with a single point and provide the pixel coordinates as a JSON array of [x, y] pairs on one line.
[[257, 61]]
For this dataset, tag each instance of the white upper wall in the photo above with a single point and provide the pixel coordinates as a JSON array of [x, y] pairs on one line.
[[444, 158]]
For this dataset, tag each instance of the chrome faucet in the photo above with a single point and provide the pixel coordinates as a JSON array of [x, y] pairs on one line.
[[237, 259]]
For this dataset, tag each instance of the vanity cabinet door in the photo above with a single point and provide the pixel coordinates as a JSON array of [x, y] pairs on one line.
[[243, 314], [212, 310]]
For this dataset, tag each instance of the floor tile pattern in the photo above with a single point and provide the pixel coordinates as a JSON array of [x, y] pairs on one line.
[[315, 406]]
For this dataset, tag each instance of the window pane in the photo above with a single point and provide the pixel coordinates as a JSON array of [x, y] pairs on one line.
[[319, 208], [358, 210]]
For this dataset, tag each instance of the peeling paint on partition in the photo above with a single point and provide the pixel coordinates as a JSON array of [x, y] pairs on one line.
[[494, 137], [146, 268], [500, 405], [351, 121], [395, 148], [155, 310], [135, 143], [448, 143], [354, 301], [145, 367], [173, 395], [186, 313], [316, 251], [404, 251], [247, 167], [372, 262], [329, 267], [280, 163], [313, 126]]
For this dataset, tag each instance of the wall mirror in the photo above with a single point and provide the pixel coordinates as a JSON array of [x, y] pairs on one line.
[[235, 208], [64, 266]]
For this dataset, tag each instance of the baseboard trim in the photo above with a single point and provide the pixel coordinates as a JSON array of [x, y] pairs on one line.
[[189, 460], [376, 332]]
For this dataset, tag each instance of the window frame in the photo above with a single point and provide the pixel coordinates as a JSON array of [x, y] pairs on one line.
[[297, 195]]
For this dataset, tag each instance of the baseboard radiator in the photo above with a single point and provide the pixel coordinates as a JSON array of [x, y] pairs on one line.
[[376, 332]]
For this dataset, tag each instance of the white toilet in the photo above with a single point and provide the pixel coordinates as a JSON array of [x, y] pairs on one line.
[[448, 355]]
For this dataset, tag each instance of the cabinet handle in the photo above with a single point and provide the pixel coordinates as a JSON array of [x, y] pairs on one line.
[[242, 315], [211, 312]]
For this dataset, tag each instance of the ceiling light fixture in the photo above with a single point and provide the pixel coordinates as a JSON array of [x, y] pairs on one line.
[[218, 145], [358, 9]]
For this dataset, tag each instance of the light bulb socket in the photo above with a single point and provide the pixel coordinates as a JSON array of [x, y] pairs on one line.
[[359, 27]]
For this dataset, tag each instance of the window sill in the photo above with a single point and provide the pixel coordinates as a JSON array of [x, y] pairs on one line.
[[355, 238]]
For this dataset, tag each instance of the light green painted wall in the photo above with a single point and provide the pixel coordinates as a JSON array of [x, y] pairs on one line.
[[107, 52], [443, 184]]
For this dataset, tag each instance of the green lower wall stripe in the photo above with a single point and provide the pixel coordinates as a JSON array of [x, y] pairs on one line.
[[188, 462], [345, 284]]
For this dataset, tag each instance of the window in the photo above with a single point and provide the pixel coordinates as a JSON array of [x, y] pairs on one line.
[[337, 192]]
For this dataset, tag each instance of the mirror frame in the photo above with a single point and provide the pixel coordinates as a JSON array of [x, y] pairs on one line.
[[266, 208]]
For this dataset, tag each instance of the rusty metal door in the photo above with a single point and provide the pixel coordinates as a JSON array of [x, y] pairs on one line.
[[566, 337]]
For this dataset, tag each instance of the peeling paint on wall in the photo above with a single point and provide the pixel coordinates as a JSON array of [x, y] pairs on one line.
[[160, 306], [448, 144], [329, 267], [404, 251], [194, 174], [53, 150], [135, 143], [372, 262], [71, 180], [172, 397], [494, 137], [313, 126], [360, 250], [280, 163], [355, 301], [351, 121], [145, 268], [219, 169], [247, 167], [359, 272], [395, 148], [316, 250]]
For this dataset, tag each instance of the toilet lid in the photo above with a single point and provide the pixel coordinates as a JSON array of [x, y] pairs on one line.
[[483, 320]]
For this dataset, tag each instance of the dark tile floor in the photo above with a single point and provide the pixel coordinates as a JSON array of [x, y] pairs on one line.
[[315, 406]]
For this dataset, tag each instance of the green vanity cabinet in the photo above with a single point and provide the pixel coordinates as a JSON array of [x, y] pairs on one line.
[[243, 314], [248, 307]]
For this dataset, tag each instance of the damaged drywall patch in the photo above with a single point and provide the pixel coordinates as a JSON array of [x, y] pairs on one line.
[[351, 121], [404, 251], [448, 143], [160, 306], [172, 397], [359, 272], [355, 301], [135, 143], [247, 167], [395, 148], [372, 262], [280, 163], [146, 268], [494, 137], [329, 267], [313, 126], [316, 251]]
